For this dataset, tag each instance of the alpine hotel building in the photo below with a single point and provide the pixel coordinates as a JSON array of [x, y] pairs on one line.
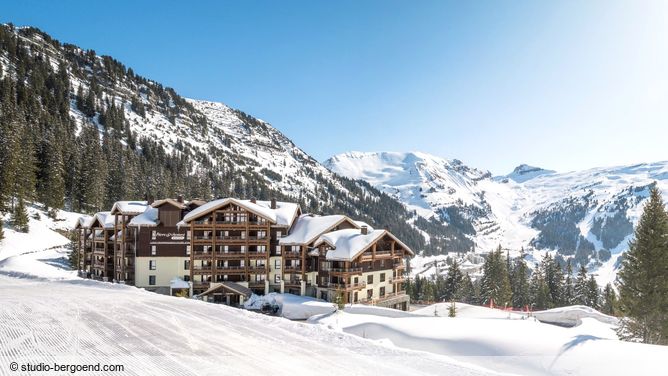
[[225, 250]]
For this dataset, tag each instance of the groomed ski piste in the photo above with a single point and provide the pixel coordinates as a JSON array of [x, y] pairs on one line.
[[49, 315]]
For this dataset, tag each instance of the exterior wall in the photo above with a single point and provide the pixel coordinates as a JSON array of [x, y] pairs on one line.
[[166, 269], [226, 245], [274, 271], [376, 285]]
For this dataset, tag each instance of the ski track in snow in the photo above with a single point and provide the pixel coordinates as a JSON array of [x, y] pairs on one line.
[[87, 323]]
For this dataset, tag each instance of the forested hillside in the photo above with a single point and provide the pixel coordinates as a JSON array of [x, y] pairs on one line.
[[80, 131]]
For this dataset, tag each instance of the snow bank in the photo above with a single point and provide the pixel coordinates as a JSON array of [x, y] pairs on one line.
[[573, 315], [293, 307], [507, 342]]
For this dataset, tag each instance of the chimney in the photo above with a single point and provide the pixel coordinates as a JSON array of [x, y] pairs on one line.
[[364, 230], [253, 200], [273, 203], [179, 198]]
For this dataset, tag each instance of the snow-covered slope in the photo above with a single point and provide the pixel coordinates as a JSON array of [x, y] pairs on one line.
[[587, 215], [49, 315], [506, 342]]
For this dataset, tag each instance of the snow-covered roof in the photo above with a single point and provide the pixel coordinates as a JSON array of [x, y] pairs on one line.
[[173, 202], [283, 215], [178, 283], [85, 221], [104, 219], [362, 224], [116, 235], [148, 218], [129, 207], [309, 227], [349, 243], [286, 212]]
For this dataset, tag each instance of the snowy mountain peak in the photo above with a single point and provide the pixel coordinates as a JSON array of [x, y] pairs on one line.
[[526, 172], [426, 183]]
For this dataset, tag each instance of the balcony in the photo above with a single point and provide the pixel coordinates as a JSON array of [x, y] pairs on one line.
[[258, 269], [202, 239], [292, 269], [345, 271], [231, 255], [202, 255], [257, 255], [292, 255], [236, 269], [346, 286], [292, 282], [399, 265], [400, 279]]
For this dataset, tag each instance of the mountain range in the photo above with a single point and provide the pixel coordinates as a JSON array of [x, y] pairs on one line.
[[586, 215]]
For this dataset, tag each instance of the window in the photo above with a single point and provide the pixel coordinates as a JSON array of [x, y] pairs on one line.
[[369, 279], [277, 264], [186, 277], [382, 277], [187, 250], [382, 291], [279, 234], [151, 265], [278, 249], [369, 293], [277, 278], [154, 250], [151, 280], [153, 234], [186, 264]]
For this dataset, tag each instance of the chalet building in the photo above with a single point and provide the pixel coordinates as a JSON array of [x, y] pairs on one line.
[[236, 241], [162, 262], [102, 246], [84, 245], [124, 239], [299, 272], [362, 266], [225, 250]]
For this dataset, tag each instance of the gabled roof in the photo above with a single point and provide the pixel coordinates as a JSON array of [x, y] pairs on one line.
[[283, 215], [169, 201], [149, 218], [128, 207], [309, 227], [233, 287], [349, 243], [103, 219], [85, 221]]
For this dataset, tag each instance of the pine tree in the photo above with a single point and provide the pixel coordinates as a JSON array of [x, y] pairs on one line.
[[520, 284], [592, 293], [643, 291], [569, 288], [453, 283], [467, 292], [539, 291], [609, 306], [495, 282], [20, 217], [51, 184], [581, 288], [554, 279]]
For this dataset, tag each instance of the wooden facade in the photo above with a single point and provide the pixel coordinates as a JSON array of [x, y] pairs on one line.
[[232, 241]]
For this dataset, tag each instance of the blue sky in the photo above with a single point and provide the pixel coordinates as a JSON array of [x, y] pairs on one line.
[[562, 85]]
